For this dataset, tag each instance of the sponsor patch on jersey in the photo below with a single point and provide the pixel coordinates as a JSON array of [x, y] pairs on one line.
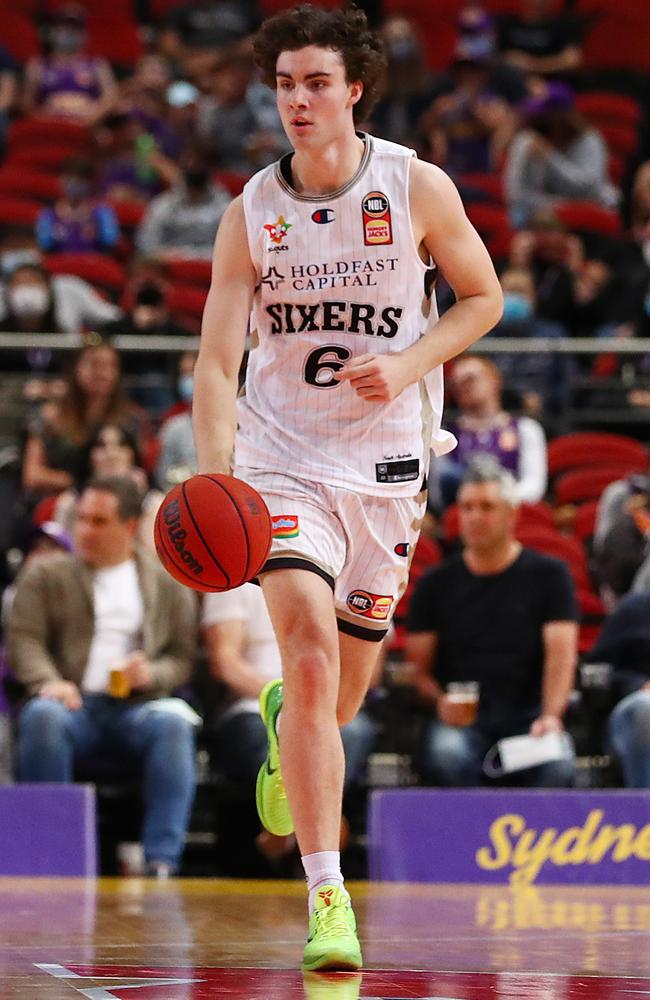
[[377, 225], [323, 215], [375, 606], [285, 526], [397, 472], [278, 230], [401, 549]]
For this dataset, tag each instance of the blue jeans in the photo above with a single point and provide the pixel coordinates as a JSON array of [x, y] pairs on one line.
[[238, 745], [158, 744], [452, 757], [629, 734]]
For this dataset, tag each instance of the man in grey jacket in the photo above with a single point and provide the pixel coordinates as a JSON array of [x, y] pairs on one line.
[[100, 638]]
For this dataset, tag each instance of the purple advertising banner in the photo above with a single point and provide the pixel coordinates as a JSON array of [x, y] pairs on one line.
[[48, 830], [510, 836]]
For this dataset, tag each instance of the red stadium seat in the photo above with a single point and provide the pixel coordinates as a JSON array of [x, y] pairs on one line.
[[50, 156], [19, 35], [92, 267], [185, 303], [29, 184], [232, 180], [586, 449], [129, 213], [19, 212], [603, 107], [587, 216], [488, 184], [41, 131], [579, 485], [190, 271], [622, 139], [562, 547], [536, 514], [486, 218]]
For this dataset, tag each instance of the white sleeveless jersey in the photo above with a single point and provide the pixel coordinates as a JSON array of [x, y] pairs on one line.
[[339, 276]]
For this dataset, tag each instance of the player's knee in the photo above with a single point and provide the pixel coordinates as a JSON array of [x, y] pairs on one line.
[[309, 673]]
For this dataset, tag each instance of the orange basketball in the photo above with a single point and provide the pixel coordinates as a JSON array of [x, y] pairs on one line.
[[213, 532]]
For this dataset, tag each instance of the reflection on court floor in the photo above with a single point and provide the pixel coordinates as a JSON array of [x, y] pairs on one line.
[[137, 939]]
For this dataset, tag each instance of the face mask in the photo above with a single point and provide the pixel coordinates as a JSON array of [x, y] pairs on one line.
[[13, 259], [28, 300], [186, 387], [67, 40], [402, 49], [646, 305], [516, 308], [76, 189], [197, 178]]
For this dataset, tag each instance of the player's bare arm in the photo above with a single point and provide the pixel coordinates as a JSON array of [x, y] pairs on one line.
[[223, 337], [444, 235]]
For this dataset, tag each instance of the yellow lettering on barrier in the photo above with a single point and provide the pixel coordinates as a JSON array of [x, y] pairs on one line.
[[527, 851]]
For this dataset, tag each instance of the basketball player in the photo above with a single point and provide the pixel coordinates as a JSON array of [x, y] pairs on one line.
[[329, 257]]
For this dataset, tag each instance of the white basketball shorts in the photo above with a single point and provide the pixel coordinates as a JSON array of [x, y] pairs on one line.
[[361, 545]]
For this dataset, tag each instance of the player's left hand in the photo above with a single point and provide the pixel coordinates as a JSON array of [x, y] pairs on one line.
[[377, 377], [546, 724]]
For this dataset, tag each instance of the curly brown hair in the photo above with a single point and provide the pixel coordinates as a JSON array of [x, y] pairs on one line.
[[346, 31]]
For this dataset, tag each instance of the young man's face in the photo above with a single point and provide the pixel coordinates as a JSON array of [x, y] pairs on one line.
[[314, 99]]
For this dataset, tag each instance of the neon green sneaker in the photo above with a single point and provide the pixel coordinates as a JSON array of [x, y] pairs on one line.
[[270, 795], [331, 986], [332, 941]]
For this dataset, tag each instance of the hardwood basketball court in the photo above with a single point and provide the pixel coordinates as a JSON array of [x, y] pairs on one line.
[[185, 939]]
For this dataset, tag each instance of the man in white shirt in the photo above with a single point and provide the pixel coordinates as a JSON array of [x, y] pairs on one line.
[[82, 622]]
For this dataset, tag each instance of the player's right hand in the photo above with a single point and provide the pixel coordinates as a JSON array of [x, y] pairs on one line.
[[63, 691]]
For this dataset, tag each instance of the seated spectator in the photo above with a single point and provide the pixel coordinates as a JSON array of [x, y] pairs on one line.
[[243, 655], [409, 85], [541, 41], [124, 627], [556, 157], [477, 39], [76, 223], [484, 427], [197, 31], [112, 451], [8, 93], [238, 119], [183, 222], [621, 546], [469, 127], [624, 643], [177, 459], [503, 617], [154, 370], [540, 379], [68, 83], [554, 256], [61, 303], [134, 166], [54, 457]]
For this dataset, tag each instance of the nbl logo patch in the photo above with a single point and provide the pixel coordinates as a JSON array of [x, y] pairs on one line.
[[285, 526], [375, 606], [377, 225]]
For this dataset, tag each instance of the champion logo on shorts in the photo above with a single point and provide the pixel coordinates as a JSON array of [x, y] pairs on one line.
[[285, 526], [375, 606]]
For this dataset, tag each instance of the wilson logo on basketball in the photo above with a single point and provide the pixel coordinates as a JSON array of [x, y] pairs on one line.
[[285, 526], [375, 606], [177, 536]]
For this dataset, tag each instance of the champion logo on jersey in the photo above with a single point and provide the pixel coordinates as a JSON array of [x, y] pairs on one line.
[[323, 215], [401, 549], [285, 526], [375, 606], [278, 230], [377, 225]]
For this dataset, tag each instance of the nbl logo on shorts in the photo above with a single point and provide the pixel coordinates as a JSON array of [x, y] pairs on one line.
[[375, 606], [285, 526], [377, 225]]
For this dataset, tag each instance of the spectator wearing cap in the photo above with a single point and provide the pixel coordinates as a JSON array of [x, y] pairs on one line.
[[539, 40], [77, 223], [477, 42], [68, 83], [556, 157]]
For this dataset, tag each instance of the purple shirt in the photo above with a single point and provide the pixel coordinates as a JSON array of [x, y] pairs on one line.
[[501, 440], [69, 88]]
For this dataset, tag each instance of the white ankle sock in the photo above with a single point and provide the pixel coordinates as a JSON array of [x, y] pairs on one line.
[[323, 868]]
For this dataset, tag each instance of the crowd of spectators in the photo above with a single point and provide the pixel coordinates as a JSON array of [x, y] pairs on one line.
[[122, 142]]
